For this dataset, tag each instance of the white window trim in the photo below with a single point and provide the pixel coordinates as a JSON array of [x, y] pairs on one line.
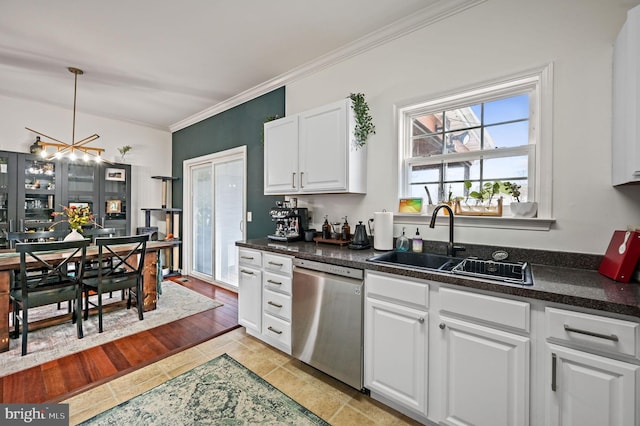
[[541, 124]]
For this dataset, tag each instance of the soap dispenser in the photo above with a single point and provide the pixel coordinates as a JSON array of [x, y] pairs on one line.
[[326, 229], [402, 242], [417, 242]]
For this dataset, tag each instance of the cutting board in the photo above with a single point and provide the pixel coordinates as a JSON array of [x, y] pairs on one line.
[[622, 256]]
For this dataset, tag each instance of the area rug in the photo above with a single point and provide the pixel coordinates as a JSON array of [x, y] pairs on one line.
[[54, 342], [220, 392]]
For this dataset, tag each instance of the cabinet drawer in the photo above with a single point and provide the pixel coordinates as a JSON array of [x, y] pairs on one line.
[[496, 310], [277, 331], [277, 304], [403, 290], [250, 257], [276, 282], [275, 263], [598, 332]]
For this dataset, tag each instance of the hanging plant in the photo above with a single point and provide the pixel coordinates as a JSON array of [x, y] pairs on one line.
[[364, 121]]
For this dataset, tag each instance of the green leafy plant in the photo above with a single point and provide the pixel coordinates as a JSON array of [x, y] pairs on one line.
[[364, 121], [124, 149], [76, 217], [485, 193], [513, 189]]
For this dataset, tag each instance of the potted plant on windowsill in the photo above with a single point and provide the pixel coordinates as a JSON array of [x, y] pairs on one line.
[[520, 208], [487, 202]]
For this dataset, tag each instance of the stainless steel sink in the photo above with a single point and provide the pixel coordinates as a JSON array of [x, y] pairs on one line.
[[507, 272], [429, 261]]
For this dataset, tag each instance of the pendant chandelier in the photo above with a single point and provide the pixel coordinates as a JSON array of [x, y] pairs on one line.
[[73, 149]]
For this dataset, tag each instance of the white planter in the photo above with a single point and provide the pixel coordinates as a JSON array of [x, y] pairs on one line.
[[528, 209]]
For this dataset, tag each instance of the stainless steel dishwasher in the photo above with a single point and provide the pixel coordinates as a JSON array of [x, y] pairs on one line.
[[327, 319]]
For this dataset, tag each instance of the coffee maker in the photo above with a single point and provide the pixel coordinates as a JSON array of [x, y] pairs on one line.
[[291, 222]]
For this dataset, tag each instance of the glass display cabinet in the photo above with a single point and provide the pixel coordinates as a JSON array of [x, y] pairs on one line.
[[38, 192], [8, 188]]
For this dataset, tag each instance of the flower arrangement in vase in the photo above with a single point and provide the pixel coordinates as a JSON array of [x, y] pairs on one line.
[[76, 217]]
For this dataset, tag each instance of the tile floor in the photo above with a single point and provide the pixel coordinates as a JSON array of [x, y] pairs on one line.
[[335, 402]]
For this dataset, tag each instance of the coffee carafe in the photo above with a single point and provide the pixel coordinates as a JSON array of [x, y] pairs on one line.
[[360, 238]]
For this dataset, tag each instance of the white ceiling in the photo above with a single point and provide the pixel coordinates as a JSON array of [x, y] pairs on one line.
[[159, 62]]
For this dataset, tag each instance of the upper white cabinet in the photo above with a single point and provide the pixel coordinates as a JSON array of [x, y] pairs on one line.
[[626, 102], [313, 152]]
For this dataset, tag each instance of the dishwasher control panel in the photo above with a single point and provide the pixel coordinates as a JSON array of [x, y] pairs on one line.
[[343, 271]]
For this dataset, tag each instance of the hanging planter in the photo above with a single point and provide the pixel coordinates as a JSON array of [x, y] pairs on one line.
[[364, 121]]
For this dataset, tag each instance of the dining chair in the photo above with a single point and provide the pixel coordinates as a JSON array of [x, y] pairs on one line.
[[94, 233], [35, 236], [46, 278], [123, 272]]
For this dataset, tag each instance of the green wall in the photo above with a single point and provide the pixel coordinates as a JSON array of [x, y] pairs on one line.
[[241, 125]]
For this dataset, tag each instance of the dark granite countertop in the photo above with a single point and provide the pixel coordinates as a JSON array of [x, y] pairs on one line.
[[570, 279]]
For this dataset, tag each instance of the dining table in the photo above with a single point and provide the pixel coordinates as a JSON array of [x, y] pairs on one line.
[[10, 262]]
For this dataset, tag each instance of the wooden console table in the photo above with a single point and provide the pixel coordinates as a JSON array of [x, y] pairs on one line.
[[10, 262]]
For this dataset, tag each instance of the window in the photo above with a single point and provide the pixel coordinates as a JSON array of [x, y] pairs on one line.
[[481, 135]]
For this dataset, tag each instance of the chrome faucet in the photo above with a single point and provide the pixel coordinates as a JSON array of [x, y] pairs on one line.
[[451, 247]]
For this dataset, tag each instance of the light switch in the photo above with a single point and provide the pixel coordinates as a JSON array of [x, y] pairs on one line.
[[249, 216]]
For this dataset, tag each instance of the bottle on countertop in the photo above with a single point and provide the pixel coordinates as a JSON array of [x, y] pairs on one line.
[[417, 242], [346, 230], [402, 242], [326, 229]]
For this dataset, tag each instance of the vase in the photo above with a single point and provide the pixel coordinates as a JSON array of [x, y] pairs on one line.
[[526, 209], [74, 235]]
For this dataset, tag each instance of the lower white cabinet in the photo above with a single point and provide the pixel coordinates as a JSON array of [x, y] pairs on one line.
[[584, 389], [250, 290], [396, 340], [485, 375]]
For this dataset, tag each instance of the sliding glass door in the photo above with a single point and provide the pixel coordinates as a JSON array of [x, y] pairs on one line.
[[216, 208]]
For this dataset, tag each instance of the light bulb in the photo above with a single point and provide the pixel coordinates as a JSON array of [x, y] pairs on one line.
[[72, 156], [43, 153], [85, 157]]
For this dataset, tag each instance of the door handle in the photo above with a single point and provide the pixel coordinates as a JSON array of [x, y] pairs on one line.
[[274, 282], [293, 180], [611, 337], [274, 330], [277, 305], [554, 362], [276, 264], [244, 271], [301, 175]]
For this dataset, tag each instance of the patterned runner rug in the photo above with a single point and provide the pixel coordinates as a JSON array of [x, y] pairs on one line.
[[222, 391], [54, 342]]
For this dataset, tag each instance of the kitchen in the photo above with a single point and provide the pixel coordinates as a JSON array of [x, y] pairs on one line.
[[427, 61]]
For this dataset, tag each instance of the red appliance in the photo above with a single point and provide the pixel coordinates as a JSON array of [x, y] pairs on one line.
[[622, 256]]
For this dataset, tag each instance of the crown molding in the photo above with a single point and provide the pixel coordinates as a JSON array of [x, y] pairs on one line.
[[436, 12]]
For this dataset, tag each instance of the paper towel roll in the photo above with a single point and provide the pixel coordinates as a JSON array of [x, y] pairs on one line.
[[383, 230]]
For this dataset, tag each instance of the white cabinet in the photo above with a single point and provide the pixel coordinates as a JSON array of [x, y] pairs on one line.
[[592, 371], [313, 152], [486, 375], [396, 340], [626, 102], [590, 390], [485, 369], [250, 289]]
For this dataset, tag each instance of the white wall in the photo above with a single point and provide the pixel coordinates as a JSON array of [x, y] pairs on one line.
[[495, 39], [150, 154]]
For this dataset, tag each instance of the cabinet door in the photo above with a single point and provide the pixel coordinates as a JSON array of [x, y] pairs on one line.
[[486, 375], [250, 298], [81, 186], [8, 189], [38, 191], [395, 355], [590, 390], [281, 156], [115, 197], [324, 148]]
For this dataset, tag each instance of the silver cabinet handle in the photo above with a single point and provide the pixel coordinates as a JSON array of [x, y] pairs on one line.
[[554, 362], [274, 330], [277, 305], [274, 282], [442, 326], [244, 271], [301, 175], [293, 180], [611, 337], [421, 320], [279, 265]]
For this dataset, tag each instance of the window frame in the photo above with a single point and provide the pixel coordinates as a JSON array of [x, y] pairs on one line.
[[538, 83]]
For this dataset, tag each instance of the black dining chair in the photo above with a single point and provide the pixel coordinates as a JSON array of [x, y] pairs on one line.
[[93, 233], [122, 272], [46, 278]]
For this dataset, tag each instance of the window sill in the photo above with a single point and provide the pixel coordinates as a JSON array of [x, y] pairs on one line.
[[503, 222]]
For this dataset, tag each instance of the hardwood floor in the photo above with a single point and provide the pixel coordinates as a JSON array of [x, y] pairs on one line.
[[61, 378]]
